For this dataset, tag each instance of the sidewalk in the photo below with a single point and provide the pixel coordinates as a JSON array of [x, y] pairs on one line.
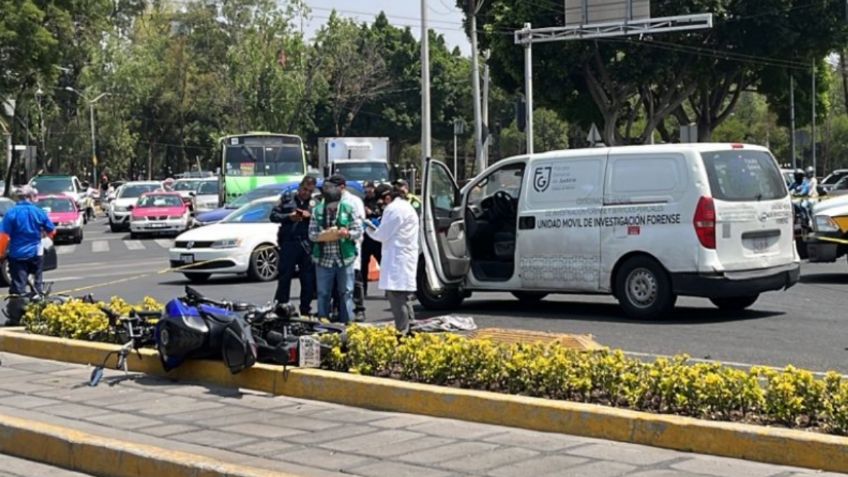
[[317, 439]]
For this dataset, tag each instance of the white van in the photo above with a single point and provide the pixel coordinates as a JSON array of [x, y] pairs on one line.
[[643, 223]]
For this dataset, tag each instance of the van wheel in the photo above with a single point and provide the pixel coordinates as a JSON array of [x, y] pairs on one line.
[[643, 289], [734, 303], [802, 249], [529, 297], [446, 299]]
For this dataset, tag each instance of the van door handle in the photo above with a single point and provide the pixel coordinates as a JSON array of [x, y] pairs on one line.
[[527, 223]]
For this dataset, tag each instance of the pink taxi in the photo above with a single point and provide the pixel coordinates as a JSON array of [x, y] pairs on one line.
[[63, 212], [158, 213]]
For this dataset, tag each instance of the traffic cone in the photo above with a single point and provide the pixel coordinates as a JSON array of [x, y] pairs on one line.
[[373, 270]]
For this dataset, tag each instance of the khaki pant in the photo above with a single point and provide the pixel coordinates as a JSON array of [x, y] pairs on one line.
[[401, 306]]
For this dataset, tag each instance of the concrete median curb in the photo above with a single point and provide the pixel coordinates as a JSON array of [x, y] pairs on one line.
[[96, 455], [755, 443]]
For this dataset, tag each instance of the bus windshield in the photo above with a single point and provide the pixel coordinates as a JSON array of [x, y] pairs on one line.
[[263, 155]]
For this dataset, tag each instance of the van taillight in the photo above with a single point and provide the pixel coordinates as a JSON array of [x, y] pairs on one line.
[[705, 222]]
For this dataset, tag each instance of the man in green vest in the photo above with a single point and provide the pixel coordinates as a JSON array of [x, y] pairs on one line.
[[334, 230]]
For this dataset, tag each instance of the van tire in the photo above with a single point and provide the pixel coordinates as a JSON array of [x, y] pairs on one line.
[[447, 299], [529, 297], [643, 289], [734, 303]]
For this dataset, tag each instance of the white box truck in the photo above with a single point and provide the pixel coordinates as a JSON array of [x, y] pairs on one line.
[[356, 158]]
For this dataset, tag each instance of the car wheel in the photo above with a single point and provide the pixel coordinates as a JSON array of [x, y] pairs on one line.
[[134, 236], [801, 246], [445, 299], [734, 303], [78, 238], [263, 263], [529, 297], [5, 273], [114, 227], [643, 289], [197, 277]]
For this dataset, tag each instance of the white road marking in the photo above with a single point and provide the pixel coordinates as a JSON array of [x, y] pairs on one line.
[[165, 243], [134, 244], [65, 249], [99, 246]]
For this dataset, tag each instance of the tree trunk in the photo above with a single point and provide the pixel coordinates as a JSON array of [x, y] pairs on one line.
[[844, 69]]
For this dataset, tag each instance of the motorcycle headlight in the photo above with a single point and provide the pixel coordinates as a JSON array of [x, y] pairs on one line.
[[229, 243], [826, 223]]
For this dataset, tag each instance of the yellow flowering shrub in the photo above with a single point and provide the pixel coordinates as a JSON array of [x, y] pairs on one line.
[[79, 320], [788, 397]]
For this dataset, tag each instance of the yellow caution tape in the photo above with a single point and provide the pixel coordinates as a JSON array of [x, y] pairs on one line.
[[829, 239]]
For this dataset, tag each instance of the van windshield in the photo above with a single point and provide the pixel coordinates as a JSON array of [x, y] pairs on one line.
[[743, 175]]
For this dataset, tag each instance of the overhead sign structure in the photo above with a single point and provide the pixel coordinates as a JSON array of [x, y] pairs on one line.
[[588, 19]]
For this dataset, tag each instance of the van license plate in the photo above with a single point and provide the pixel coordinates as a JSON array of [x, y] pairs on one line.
[[760, 244]]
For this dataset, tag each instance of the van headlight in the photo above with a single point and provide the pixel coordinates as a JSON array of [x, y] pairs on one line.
[[230, 243], [825, 223]]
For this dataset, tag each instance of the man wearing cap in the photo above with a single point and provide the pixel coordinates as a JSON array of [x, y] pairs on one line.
[[25, 224], [413, 200], [398, 232], [359, 210], [334, 254], [293, 214]]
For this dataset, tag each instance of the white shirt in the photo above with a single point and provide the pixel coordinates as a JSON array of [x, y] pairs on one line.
[[359, 212], [398, 232]]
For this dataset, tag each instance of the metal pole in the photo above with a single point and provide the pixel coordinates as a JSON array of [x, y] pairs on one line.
[[426, 148], [475, 87], [528, 88], [792, 121], [93, 144], [815, 171], [485, 112], [454, 153]]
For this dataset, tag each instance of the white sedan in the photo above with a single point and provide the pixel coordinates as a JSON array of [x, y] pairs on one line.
[[244, 242]]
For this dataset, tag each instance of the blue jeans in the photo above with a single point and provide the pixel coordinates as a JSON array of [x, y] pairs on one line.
[[344, 280], [20, 270]]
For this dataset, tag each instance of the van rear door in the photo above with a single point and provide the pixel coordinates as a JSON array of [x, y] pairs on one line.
[[753, 213]]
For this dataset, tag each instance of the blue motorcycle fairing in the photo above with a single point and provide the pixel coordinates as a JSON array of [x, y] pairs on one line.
[[178, 310]]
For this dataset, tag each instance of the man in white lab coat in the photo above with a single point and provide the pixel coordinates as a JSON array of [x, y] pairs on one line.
[[398, 233]]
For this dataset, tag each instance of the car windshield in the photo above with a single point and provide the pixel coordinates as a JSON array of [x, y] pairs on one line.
[[136, 190], [52, 185], [160, 200], [186, 185], [363, 171], [743, 175], [251, 214], [54, 204], [253, 195], [842, 184], [208, 188], [835, 177]]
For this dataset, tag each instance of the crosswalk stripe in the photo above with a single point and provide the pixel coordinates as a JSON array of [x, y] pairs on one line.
[[134, 244], [65, 249], [99, 246], [164, 243]]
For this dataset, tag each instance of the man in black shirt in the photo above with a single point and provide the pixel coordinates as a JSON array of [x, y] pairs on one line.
[[293, 214], [371, 247]]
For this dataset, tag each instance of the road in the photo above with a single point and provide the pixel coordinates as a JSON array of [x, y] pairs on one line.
[[804, 326]]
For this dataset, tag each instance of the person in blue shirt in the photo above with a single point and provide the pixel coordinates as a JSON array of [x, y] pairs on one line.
[[25, 224]]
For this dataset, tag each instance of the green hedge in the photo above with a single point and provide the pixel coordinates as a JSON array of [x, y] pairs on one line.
[[789, 397]]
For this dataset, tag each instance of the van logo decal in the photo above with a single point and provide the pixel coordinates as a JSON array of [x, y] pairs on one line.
[[542, 178], [764, 216]]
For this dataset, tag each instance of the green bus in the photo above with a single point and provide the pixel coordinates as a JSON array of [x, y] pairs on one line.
[[254, 159]]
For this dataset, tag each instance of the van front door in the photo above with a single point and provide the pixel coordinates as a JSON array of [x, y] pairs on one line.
[[443, 226]]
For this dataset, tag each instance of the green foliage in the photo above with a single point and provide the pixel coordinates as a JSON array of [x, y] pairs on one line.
[[79, 320], [788, 397]]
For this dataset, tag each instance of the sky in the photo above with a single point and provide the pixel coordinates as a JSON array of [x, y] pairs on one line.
[[443, 16]]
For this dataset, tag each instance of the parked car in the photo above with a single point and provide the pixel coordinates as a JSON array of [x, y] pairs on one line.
[[829, 239], [63, 212], [69, 186], [244, 242], [125, 198], [186, 188], [205, 198], [644, 224], [830, 180], [158, 213]]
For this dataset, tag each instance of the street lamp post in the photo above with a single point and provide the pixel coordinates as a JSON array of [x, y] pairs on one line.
[[91, 103]]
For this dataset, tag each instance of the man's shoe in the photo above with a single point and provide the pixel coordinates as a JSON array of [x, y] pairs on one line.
[[360, 317]]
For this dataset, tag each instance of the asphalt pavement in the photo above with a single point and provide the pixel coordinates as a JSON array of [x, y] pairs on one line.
[[803, 326]]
